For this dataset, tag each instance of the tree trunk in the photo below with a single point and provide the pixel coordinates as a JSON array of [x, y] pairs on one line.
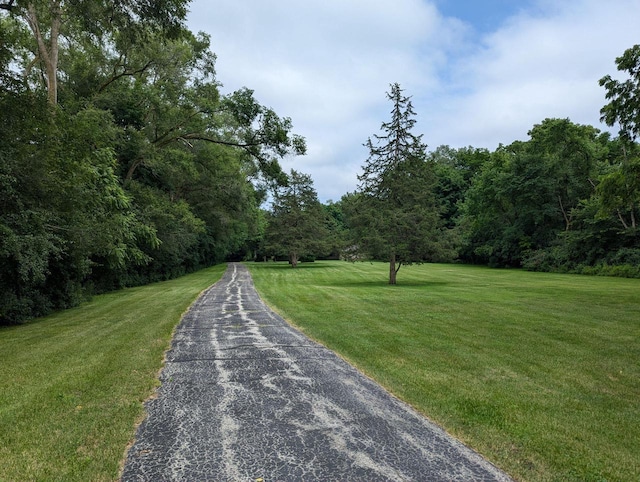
[[48, 53], [392, 269], [293, 259], [624, 223], [134, 165], [567, 221]]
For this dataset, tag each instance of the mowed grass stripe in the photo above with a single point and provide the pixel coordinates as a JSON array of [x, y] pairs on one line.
[[539, 372], [72, 384]]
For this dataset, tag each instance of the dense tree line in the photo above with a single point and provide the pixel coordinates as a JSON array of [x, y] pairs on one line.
[[121, 162], [546, 204], [566, 200]]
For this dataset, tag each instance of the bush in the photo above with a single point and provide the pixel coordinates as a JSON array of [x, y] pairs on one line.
[[623, 263], [626, 256], [620, 270], [553, 259]]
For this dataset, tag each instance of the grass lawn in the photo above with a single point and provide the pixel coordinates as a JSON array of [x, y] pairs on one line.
[[72, 384], [539, 372]]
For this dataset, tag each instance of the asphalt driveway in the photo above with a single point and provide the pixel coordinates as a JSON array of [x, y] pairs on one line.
[[245, 397]]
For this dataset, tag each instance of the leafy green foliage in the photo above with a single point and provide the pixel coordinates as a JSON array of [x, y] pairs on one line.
[[624, 106], [529, 193], [337, 227], [65, 208], [619, 192], [455, 170], [126, 165]]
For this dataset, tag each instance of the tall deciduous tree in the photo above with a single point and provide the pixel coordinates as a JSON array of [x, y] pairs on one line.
[[394, 215], [98, 21], [624, 96], [568, 154], [620, 189], [297, 225]]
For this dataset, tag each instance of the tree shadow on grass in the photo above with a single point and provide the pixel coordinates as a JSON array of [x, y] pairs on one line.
[[11, 327], [285, 265], [385, 284]]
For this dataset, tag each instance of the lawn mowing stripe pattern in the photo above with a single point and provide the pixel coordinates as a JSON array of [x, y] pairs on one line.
[[245, 396]]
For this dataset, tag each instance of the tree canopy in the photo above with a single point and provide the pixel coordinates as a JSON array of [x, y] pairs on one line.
[[121, 161], [620, 189]]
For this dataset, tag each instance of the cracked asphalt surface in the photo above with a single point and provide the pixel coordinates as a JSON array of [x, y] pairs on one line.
[[244, 397]]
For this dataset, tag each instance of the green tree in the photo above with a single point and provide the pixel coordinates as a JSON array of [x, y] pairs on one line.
[[619, 192], [569, 154], [64, 211], [394, 214], [624, 96], [181, 142], [529, 192], [86, 22], [455, 170], [337, 227], [491, 220], [121, 162], [297, 223], [620, 187]]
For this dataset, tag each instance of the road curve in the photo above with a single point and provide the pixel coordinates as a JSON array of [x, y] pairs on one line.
[[245, 397]]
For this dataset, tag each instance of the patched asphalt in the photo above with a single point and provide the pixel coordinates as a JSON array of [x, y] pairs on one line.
[[245, 397]]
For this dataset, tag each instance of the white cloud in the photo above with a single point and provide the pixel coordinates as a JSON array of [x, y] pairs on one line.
[[537, 66], [328, 63]]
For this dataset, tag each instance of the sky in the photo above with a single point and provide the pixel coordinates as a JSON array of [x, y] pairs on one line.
[[479, 72]]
